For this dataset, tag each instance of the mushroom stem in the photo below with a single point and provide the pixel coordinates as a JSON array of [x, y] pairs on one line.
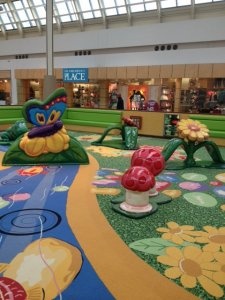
[[136, 202], [153, 192], [137, 198]]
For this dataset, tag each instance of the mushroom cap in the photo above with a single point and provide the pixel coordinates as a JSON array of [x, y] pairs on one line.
[[150, 158], [138, 179], [16, 290]]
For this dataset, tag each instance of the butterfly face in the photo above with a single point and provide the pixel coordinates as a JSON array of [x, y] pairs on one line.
[[41, 113]]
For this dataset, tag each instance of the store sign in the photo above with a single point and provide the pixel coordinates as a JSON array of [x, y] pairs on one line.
[[75, 75]]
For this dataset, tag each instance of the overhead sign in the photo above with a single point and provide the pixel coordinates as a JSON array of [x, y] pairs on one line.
[[75, 75]]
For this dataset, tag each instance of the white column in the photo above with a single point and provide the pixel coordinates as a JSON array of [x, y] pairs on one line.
[[49, 80], [14, 100]]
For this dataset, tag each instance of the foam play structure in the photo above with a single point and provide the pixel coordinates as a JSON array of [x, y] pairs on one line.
[[192, 135], [13, 132], [128, 136], [140, 198], [47, 141]]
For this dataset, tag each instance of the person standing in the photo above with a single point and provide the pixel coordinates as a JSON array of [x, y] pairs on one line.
[[120, 102]]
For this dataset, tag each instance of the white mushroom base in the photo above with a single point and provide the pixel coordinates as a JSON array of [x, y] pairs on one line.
[[153, 192], [136, 202]]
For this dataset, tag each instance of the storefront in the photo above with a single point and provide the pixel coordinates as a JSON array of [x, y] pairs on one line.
[[172, 94], [5, 88]]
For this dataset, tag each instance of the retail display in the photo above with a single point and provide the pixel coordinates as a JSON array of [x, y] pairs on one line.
[[86, 95], [170, 124], [166, 100]]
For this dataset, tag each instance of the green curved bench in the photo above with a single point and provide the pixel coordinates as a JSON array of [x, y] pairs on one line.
[[215, 124], [100, 118], [10, 114], [92, 117]]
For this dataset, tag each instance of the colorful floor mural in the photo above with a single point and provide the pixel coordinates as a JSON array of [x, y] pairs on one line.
[[106, 255], [184, 239], [38, 248]]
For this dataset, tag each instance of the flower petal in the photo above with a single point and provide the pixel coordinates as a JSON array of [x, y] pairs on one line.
[[194, 233], [188, 281], [208, 274], [202, 240], [220, 257], [167, 236], [186, 132], [187, 238], [173, 273], [206, 257], [166, 260], [177, 240], [187, 227], [210, 229], [219, 277], [162, 229], [192, 252], [211, 247], [172, 225], [222, 230], [212, 266], [174, 253], [210, 286]]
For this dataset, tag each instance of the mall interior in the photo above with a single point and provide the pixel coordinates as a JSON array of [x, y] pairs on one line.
[[172, 54], [160, 56], [64, 231]]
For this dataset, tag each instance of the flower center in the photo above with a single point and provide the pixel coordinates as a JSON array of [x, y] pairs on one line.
[[193, 127], [190, 267], [219, 238], [175, 230]]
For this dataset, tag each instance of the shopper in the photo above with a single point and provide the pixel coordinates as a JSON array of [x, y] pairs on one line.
[[120, 102]]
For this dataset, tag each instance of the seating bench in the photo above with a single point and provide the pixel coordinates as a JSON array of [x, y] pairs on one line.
[[75, 118], [9, 115], [83, 119], [215, 124]]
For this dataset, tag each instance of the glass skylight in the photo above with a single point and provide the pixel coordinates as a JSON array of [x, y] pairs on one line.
[[21, 14]]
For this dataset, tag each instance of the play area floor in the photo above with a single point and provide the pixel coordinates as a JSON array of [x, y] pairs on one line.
[[178, 252]]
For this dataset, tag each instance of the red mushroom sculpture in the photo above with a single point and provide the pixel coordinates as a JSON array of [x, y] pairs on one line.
[[150, 158], [137, 181]]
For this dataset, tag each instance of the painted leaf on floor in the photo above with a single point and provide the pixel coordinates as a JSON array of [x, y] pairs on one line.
[[156, 246]]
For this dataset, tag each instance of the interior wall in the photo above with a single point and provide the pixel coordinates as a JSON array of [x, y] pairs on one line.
[[200, 41], [188, 31], [183, 56]]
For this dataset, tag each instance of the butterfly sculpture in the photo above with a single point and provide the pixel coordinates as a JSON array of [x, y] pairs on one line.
[[47, 141]]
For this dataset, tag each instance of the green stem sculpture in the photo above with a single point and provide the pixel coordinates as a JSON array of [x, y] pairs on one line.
[[129, 136], [190, 147]]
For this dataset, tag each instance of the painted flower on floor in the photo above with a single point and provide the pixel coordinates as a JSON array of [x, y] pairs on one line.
[[192, 130], [222, 207], [213, 237], [109, 152], [174, 194], [215, 183], [107, 182], [193, 266], [177, 233], [91, 137], [219, 276], [220, 191], [220, 177]]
